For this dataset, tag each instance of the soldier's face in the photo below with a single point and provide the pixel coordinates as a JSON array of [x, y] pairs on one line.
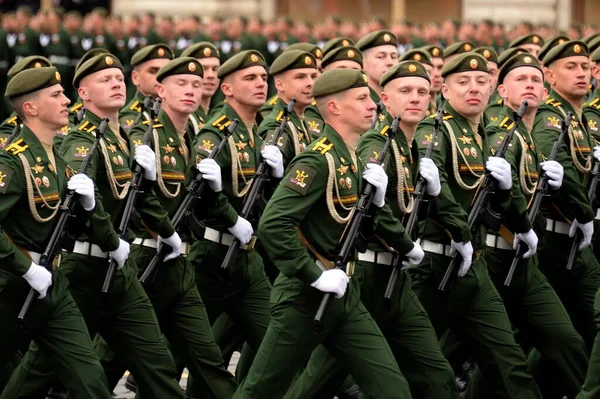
[[436, 74], [532, 49], [570, 76], [104, 89], [247, 87], [144, 76], [181, 93], [51, 106], [377, 60], [467, 92], [523, 83], [297, 84], [408, 98], [356, 109], [343, 64], [210, 82], [494, 71]]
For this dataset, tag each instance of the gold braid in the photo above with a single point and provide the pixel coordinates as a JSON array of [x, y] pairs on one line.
[[114, 184], [527, 185], [159, 179], [235, 164], [331, 184], [459, 180], [574, 147], [402, 186], [28, 183], [294, 137]]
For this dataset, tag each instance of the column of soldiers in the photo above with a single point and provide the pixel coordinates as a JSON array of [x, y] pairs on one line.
[[373, 134]]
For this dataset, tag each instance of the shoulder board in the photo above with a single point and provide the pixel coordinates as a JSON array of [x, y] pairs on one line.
[[134, 106], [279, 116], [147, 122], [87, 126], [595, 103], [17, 147], [313, 103], [446, 117], [499, 102], [383, 131], [507, 123], [273, 100], [12, 121], [553, 102], [76, 107], [323, 145], [221, 122]]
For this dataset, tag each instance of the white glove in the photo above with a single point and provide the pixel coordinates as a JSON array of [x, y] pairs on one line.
[[211, 172], [174, 242], [500, 170], [120, 254], [597, 153], [530, 239], [587, 229], [145, 157], [84, 186], [242, 230], [334, 281], [274, 159], [555, 173], [39, 279], [465, 249], [377, 177], [430, 172], [415, 256]]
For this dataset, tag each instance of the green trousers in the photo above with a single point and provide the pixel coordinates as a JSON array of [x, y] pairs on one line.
[[242, 294], [591, 386], [59, 332], [408, 332], [474, 311], [183, 320], [535, 309], [126, 321], [350, 334]]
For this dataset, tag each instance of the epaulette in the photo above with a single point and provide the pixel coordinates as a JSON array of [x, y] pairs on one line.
[[273, 100], [12, 121], [446, 117], [221, 122], [155, 125], [594, 103], [553, 102], [279, 116], [87, 126], [499, 102], [384, 130], [134, 106], [323, 145], [17, 147], [313, 103], [75, 107], [507, 123]]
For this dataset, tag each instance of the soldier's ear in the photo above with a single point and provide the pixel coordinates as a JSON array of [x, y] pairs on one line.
[[83, 93], [226, 89], [135, 77], [385, 99], [502, 91], [445, 90], [160, 90], [596, 71], [279, 85], [549, 76]]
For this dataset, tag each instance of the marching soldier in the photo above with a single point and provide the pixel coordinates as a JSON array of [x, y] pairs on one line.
[[495, 102], [437, 59], [302, 251], [124, 317], [532, 43], [472, 306], [145, 65], [33, 182], [405, 325]]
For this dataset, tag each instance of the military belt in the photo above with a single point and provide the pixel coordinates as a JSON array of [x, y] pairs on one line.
[[87, 248], [495, 241], [434, 247], [557, 227], [151, 243], [379, 258], [225, 239]]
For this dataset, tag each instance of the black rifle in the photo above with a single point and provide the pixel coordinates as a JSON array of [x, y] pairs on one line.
[[15, 132], [379, 111], [67, 209], [541, 191], [261, 176], [134, 191], [353, 230], [591, 197], [145, 105], [418, 195], [79, 116], [194, 192], [488, 186]]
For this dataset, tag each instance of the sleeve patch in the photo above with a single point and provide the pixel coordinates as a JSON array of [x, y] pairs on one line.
[[5, 176], [300, 177]]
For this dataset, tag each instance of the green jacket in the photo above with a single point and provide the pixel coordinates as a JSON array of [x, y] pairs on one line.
[[591, 111], [461, 164], [129, 113], [314, 120], [575, 155], [39, 186], [6, 128], [375, 97], [401, 166], [238, 161], [295, 137], [492, 111], [111, 171]]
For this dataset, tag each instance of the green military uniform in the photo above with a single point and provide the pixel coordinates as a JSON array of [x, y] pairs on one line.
[[56, 46], [124, 317], [405, 325], [434, 52], [24, 43], [32, 186], [173, 292], [473, 305], [349, 331], [496, 104], [577, 287]]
